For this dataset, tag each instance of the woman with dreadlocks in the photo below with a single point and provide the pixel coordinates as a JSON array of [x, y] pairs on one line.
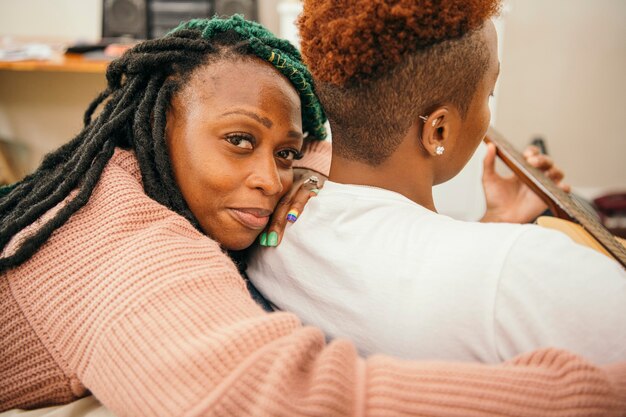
[[114, 275]]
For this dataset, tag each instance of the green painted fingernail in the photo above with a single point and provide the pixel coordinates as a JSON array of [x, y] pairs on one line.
[[263, 239], [272, 239]]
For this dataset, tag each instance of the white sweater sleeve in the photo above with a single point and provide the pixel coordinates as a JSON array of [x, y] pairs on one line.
[[554, 292]]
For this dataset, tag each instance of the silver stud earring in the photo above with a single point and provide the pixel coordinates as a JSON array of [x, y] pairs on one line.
[[439, 150]]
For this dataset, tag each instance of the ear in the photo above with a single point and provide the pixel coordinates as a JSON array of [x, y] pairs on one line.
[[436, 131]]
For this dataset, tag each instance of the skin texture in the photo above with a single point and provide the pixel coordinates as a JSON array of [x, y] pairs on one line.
[[233, 131]]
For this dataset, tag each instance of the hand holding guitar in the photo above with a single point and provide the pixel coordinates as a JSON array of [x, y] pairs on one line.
[[509, 199]]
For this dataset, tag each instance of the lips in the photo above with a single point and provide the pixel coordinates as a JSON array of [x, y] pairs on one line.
[[252, 218]]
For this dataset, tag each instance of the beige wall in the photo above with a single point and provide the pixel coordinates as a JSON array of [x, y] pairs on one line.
[[71, 19], [564, 78], [563, 66]]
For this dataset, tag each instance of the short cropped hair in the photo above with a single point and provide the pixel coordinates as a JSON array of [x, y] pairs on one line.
[[379, 64]]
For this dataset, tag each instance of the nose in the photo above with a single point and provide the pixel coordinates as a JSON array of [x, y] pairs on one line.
[[265, 176]]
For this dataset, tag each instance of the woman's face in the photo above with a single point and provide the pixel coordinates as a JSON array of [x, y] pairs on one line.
[[232, 133]]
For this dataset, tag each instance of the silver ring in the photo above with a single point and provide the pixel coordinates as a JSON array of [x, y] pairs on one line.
[[312, 180]]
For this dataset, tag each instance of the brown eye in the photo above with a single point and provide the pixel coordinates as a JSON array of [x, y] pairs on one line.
[[241, 141], [289, 154]]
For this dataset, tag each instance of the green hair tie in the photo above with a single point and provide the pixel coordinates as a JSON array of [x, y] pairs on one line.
[[278, 52]]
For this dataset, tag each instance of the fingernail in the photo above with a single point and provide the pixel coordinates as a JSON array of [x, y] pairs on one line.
[[314, 192], [292, 216], [272, 239], [263, 239], [533, 159]]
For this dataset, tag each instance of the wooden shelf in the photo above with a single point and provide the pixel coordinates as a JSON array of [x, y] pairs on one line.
[[64, 63]]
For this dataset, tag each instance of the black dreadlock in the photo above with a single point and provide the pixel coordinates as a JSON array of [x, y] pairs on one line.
[[138, 93]]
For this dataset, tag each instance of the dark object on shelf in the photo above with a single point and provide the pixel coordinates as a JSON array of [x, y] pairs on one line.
[[101, 45], [147, 19], [125, 18]]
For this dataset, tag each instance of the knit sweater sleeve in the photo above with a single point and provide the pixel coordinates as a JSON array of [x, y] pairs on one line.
[[316, 157], [154, 319]]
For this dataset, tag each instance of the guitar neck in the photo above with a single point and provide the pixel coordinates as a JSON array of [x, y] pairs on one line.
[[562, 204]]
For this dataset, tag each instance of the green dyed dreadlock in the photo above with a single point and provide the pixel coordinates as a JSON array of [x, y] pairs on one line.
[[138, 93]]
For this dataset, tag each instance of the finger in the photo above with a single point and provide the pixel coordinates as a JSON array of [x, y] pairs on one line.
[[313, 182], [555, 174], [489, 163], [530, 151], [540, 161], [298, 204], [565, 187], [287, 211], [278, 222]]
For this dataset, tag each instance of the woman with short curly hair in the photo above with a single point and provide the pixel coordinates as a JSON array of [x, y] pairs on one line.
[[406, 88]]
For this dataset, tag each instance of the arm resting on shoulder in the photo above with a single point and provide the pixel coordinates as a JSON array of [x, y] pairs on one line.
[[200, 346]]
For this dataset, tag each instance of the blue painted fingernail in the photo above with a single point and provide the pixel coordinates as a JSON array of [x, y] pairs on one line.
[[263, 239]]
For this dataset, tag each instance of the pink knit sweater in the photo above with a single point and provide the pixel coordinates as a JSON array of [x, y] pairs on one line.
[[127, 300]]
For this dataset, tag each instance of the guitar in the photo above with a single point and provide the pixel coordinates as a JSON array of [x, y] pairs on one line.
[[561, 204]]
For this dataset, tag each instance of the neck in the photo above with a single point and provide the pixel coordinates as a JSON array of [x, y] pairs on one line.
[[402, 173]]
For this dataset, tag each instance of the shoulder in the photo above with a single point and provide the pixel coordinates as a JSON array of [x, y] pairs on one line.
[[542, 247], [121, 231], [555, 292], [119, 210]]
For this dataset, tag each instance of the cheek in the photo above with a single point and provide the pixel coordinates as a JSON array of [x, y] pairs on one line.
[[286, 179], [481, 126], [210, 183], [204, 179], [487, 117]]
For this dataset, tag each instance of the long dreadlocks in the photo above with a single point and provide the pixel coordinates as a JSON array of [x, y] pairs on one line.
[[140, 85]]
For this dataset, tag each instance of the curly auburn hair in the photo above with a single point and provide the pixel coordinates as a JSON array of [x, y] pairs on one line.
[[344, 41], [379, 64]]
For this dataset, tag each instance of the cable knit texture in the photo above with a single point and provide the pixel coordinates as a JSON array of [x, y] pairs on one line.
[[316, 157], [127, 300]]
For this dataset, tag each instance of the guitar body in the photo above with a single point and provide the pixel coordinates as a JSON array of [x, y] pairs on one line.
[[576, 232], [572, 217]]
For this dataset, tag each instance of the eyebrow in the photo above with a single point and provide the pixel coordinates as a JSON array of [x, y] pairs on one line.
[[263, 120], [295, 135]]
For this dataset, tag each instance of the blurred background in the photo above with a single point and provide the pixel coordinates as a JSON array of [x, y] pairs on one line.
[[562, 79]]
